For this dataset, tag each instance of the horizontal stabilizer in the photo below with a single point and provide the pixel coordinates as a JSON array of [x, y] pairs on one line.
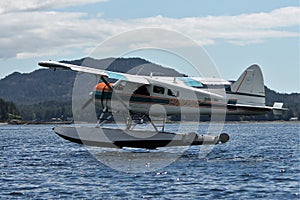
[[277, 108], [277, 105]]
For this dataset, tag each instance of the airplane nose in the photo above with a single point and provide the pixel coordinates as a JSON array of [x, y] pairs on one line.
[[103, 93], [102, 87]]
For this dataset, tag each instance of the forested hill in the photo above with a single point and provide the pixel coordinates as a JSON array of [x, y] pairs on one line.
[[38, 86], [37, 91]]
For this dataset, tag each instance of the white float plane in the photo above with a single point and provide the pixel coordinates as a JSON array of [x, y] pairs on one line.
[[145, 96]]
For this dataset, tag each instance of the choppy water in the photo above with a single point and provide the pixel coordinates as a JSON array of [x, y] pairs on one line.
[[261, 160]]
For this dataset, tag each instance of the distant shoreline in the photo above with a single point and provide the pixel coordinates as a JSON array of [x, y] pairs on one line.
[[174, 122], [20, 122]]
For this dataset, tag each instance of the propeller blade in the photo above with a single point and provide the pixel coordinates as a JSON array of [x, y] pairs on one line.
[[87, 103], [118, 97]]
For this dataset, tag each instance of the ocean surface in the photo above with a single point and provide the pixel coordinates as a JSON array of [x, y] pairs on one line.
[[260, 161]]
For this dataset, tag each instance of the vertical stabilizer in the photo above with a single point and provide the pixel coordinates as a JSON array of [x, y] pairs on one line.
[[251, 83]]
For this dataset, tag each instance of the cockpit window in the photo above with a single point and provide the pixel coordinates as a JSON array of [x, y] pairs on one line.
[[173, 93], [120, 85], [227, 88]]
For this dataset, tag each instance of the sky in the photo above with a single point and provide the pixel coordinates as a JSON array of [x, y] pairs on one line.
[[234, 33]]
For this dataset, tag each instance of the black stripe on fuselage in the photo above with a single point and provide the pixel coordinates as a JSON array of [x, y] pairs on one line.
[[246, 94]]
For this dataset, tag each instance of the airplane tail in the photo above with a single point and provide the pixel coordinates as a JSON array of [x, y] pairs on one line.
[[250, 85]]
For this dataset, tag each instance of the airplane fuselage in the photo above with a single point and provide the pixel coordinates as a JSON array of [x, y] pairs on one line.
[[175, 97]]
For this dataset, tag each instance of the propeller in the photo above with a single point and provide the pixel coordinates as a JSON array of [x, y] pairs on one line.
[[90, 100], [117, 95], [87, 103]]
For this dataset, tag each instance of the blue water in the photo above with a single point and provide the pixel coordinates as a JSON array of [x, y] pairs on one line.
[[261, 161]]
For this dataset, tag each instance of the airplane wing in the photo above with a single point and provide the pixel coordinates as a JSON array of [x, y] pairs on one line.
[[99, 72]]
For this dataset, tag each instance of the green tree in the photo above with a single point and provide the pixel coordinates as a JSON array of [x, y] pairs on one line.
[[8, 110]]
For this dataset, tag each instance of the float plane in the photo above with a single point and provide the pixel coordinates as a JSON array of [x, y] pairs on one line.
[[142, 97]]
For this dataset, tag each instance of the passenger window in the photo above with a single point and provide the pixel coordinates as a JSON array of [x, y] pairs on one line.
[[173, 93], [121, 85], [158, 89], [142, 91]]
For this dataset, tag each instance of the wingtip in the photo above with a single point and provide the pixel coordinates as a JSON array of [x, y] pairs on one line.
[[52, 64], [42, 63]]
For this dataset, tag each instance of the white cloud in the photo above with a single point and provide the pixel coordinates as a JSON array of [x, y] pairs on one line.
[[36, 33], [34, 5]]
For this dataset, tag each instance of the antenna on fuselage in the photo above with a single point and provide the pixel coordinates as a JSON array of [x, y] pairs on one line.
[[174, 80]]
